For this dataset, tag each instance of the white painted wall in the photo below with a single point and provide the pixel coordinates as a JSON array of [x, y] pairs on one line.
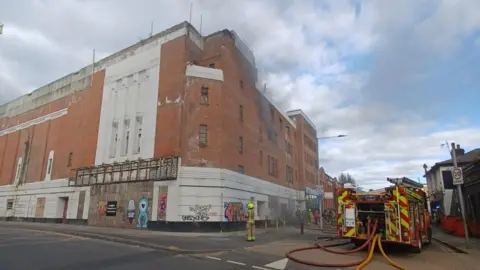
[[212, 186], [131, 90], [25, 199]]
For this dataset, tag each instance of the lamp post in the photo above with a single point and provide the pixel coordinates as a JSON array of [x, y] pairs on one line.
[[320, 203], [1, 28]]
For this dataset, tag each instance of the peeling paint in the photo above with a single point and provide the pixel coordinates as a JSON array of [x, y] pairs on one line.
[[167, 101]]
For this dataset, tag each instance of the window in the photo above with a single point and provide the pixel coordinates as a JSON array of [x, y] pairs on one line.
[[240, 145], [49, 166], [261, 158], [10, 204], [275, 138], [289, 174], [288, 148], [202, 135], [241, 169], [204, 95], [70, 158], [241, 84], [212, 65], [240, 113], [19, 170], [48, 175], [272, 166], [281, 123], [113, 139], [272, 114], [137, 144], [126, 136], [261, 134], [287, 128]]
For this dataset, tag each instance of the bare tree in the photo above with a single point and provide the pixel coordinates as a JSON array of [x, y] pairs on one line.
[[345, 178]]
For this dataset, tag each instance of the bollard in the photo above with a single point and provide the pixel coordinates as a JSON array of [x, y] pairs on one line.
[[301, 227]]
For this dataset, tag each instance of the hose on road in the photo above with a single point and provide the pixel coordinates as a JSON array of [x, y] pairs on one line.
[[372, 241]]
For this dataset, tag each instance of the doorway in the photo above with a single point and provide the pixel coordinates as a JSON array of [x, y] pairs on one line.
[[63, 207]]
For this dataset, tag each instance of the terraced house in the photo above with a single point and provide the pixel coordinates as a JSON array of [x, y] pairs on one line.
[[169, 131]]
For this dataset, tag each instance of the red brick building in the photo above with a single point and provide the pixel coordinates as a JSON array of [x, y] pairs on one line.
[[329, 185], [65, 145]]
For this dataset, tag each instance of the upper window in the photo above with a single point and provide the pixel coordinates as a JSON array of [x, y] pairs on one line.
[[241, 84], [204, 95], [241, 169], [212, 65], [202, 135]]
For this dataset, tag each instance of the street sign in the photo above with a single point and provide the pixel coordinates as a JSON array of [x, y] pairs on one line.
[[457, 175], [328, 195], [319, 189], [319, 197]]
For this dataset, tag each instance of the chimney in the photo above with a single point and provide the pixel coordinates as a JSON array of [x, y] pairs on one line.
[[459, 151]]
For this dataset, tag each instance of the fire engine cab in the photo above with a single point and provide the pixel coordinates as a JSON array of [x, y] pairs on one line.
[[398, 214]]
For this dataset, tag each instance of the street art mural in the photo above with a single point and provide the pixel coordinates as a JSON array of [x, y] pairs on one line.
[[102, 208], [199, 213], [142, 219], [162, 204], [131, 211], [234, 211]]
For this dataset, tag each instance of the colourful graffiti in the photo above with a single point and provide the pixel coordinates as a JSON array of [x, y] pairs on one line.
[[162, 204], [234, 211], [142, 219], [102, 208], [131, 211]]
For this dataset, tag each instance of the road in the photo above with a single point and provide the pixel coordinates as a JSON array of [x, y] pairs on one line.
[[36, 250]]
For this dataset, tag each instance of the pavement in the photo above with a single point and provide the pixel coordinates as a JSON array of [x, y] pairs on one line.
[[41, 250], [185, 243]]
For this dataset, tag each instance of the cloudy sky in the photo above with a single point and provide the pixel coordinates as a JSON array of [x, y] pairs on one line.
[[399, 77]]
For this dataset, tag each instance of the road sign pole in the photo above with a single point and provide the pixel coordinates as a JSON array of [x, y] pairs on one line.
[[460, 195]]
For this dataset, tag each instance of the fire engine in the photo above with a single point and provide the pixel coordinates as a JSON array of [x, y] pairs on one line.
[[398, 214]]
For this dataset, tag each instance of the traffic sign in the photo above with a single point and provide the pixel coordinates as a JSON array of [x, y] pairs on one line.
[[457, 175], [319, 188]]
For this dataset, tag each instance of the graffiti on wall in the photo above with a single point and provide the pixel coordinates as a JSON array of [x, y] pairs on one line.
[[102, 208], [131, 211], [162, 204], [199, 213], [234, 211], [142, 219]]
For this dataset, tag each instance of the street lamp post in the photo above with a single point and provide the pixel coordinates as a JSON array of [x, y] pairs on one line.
[[320, 203], [1, 28]]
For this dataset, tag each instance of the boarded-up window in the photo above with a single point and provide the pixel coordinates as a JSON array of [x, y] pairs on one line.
[[40, 207]]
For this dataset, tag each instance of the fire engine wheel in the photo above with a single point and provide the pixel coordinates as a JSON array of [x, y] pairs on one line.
[[418, 248]]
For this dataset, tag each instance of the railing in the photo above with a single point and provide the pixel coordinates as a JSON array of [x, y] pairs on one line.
[[129, 171]]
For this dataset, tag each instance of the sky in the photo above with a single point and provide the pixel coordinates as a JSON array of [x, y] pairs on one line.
[[398, 77]]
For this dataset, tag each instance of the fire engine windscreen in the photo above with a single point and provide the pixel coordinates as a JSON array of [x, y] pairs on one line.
[[370, 211]]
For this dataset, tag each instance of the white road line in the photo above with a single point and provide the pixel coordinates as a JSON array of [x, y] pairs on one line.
[[260, 268], [213, 258], [234, 262]]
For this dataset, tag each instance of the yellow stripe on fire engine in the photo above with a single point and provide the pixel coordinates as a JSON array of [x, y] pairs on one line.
[[350, 232], [414, 194], [400, 197]]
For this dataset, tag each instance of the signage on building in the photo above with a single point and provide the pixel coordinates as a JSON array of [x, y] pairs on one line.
[[457, 175], [111, 209], [328, 195]]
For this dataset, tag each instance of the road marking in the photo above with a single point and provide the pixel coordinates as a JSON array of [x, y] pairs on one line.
[[260, 268], [280, 264], [234, 262], [213, 258], [37, 243]]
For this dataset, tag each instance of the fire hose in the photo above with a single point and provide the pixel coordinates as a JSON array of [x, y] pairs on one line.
[[372, 241]]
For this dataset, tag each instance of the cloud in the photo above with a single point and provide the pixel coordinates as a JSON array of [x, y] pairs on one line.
[[362, 68]]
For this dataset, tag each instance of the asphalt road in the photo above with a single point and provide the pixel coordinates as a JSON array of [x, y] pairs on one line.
[[36, 250]]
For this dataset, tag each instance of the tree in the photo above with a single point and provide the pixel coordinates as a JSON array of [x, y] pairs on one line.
[[345, 178]]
